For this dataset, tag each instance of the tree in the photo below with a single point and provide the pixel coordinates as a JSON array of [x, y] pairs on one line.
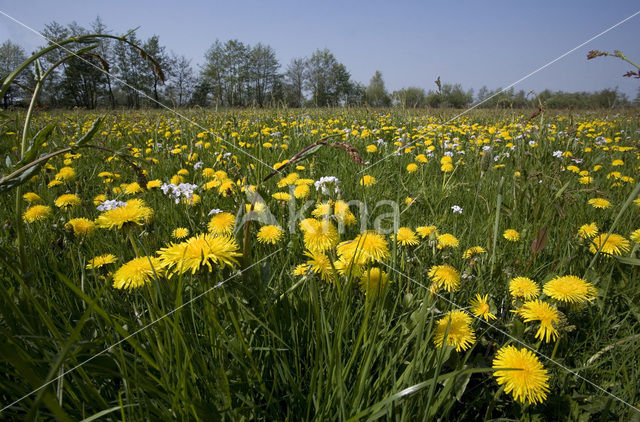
[[105, 50], [326, 79], [262, 72], [181, 82], [152, 75], [294, 82], [376, 93], [410, 97], [11, 56], [132, 72]]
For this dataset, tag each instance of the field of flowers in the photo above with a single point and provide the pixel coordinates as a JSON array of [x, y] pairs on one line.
[[327, 265]]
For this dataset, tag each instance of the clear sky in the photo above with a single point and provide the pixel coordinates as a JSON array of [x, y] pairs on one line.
[[475, 43]]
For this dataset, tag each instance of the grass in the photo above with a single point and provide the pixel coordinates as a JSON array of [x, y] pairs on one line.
[[265, 344]]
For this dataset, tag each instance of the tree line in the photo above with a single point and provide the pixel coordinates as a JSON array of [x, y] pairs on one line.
[[235, 74]]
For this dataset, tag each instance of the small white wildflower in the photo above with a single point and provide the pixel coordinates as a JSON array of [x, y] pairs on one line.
[[456, 209], [110, 205]]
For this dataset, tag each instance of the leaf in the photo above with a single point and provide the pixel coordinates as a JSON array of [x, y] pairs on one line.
[[91, 133], [40, 138], [8, 162], [540, 241], [21, 178], [627, 260]]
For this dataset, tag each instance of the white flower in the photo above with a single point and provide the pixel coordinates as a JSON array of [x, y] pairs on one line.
[[456, 209], [176, 191], [215, 211], [324, 183], [198, 165], [110, 205], [557, 154]]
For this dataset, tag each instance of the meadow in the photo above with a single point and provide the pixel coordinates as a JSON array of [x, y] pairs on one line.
[[336, 264]]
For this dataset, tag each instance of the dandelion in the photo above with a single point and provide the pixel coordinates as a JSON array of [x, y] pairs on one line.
[[199, 251], [136, 273], [600, 203], [320, 263], [367, 180], [132, 188], [99, 199], [445, 276], [31, 197], [270, 234], [613, 245], [68, 201], [367, 247], [511, 235], [36, 213], [522, 374], [426, 231], [300, 270], [222, 223], [406, 237], [81, 226], [373, 282], [319, 235], [473, 251], [523, 288], [134, 212], [570, 289], [635, 236], [66, 174], [447, 240], [100, 261], [322, 209], [481, 309], [180, 233], [588, 230], [301, 191], [456, 327], [412, 167], [281, 196], [537, 310], [154, 184]]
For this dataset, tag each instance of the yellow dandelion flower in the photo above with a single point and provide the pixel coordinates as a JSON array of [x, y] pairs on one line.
[[522, 374], [99, 199], [319, 235], [523, 288], [300, 270], [270, 234], [456, 326], [222, 223], [281, 196], [81, 226], [154, 184], [473, 251], [588, 230], [412, 167], [301, 191], [426, 231], [367, 247], [635, 236], [136, 273], [322, 209], [511, 235], [180, 233], [570, 289], [135, 212], [406, 237], [367, 180], [446, 168], [199, 251], [100, 261], [320, 263], [447, 240], [132, 188], [67, 201], [537, 310], [373, 282], [36, 213], [614, 245], [480, 307], [31, 197], [445, 276], [66, 174], [54, 183], [599, 203]]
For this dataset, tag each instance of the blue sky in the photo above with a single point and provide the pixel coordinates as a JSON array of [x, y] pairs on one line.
[[410, 42]]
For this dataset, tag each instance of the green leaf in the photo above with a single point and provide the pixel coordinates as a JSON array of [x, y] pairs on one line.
[[21, 178], [41, 137], [91, 133], [627, 260]]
